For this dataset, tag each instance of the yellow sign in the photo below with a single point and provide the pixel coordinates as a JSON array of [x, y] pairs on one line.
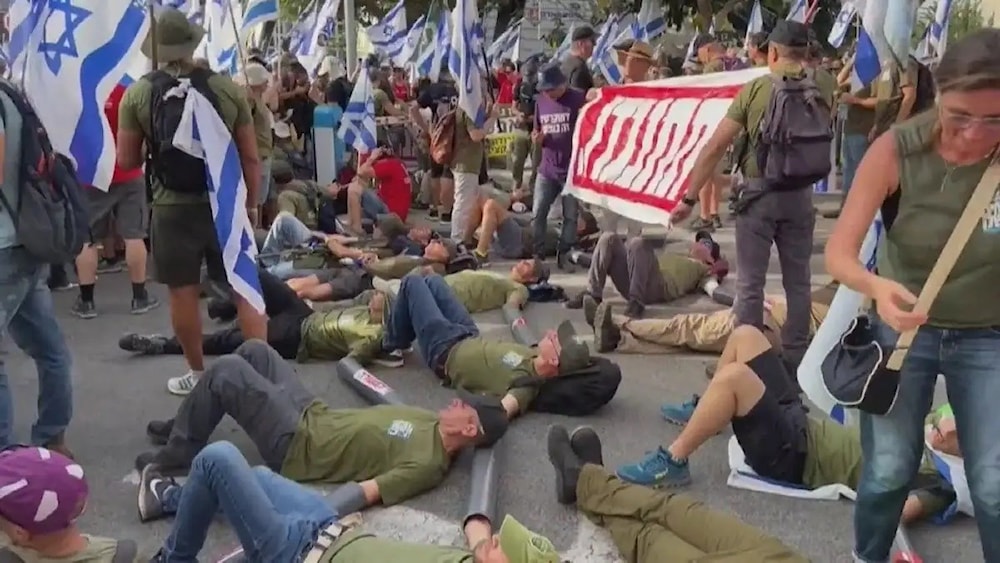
[[500, 144]]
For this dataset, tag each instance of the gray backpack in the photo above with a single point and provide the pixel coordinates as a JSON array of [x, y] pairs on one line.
[[796, 133], [125, 552]]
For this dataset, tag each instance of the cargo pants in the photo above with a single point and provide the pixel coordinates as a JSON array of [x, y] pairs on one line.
[[653, 525], [632, 267], [523, 146], [785, 219]]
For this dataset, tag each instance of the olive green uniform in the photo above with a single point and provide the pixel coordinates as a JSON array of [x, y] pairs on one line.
[[481, 291], [301, 199], [331, 335], [182, 230], [481, 365], [397, 446], [888, 92], [468, 156]]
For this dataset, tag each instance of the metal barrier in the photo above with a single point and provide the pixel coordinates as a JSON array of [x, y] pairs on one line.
[[483, 485], [523, 334], [369, 387]]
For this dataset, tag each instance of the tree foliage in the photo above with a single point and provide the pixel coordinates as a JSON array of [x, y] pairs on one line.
[[966, 17]]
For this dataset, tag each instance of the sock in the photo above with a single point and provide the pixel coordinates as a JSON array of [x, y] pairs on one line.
[[479, 254], [138, 290], [87, 292]]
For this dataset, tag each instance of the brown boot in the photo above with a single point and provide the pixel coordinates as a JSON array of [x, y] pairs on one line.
[[58, 444]]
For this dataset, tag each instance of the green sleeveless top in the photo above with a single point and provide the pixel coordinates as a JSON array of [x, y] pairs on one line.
[[933, 195]]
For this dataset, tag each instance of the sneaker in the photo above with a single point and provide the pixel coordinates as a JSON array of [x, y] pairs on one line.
[[64, 286], [444, 218], [147, 345], [106, 266], [432, 213], [586, 445], [182, 385], [167, 460], [563, 261], [389, 359], [680, 414], [158, 431], [58, 444], [576, 302], [153, 487], [606, 334], [84, 309], [589, 308], [657, 469], [716, 221], [700, 224], [565, 462], [482, 259], [144, 305], [634, 310], [222, 310], [831, 214]]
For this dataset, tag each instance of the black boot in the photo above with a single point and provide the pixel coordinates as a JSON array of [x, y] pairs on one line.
[[565, 462], [634, 309], [158, 431], [221, 310], [589, 308], [563, 262], [586, 445], [606, 334]]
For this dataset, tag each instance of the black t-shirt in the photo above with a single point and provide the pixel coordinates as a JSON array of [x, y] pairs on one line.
[[440, 97], [577, 73], [339, 92]]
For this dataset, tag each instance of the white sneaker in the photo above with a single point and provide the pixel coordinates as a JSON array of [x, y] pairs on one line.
[[182, 385]]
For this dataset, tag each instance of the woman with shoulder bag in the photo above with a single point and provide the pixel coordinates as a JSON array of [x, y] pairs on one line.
[[943, 185]]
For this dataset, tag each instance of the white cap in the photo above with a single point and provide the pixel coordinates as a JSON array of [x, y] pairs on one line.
[[332, 67], [255, 74]]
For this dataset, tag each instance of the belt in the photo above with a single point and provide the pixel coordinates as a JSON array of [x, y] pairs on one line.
[[324, 539]]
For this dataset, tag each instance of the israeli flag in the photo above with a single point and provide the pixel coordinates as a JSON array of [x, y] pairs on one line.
[[258, 12], [923, 52], [506, 46], [196, 15], [357, 126], [179, 5], [650, 22], [70, 55], [406, 54], [798, 11], [692, 55], [939, 27], [437, 44], [202, 134], [603, 58], [755, 24], [389, 35], [463, 61], [563, 49], [842, 26], [900, 16], [311, 51], [222, 42], [872, 48]]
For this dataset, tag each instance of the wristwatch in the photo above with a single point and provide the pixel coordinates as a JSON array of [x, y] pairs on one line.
[[689, 201]]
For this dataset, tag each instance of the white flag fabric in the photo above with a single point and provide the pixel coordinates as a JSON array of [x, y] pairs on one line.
[[357, 125], [202, 134]]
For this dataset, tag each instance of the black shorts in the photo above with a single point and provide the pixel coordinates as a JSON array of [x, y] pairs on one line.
[[773, 433], [439, 171]]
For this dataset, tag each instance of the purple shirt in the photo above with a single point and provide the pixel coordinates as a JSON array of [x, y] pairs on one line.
[[557, 120]]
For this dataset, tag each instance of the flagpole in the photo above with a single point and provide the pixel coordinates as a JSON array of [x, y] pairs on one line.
[[152, 36], [239, 39]]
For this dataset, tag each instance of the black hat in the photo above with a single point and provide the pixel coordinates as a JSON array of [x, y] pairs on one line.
[[790, 34], [542, 270], [758, 40], [704, 39], [492, 416], [550, 77], [583, 32]]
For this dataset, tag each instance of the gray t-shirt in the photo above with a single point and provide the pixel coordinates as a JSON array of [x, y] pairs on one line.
[[577, 73]]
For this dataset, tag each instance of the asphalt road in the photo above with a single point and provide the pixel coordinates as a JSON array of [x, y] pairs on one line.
[[115, 395]]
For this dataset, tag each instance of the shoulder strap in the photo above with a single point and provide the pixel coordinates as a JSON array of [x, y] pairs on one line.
[[981, 198]]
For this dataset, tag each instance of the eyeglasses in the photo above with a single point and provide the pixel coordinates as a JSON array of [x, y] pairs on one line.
[[966, 121]]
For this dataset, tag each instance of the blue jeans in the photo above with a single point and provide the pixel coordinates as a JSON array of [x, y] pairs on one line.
[[426, 310], [274, 518], [372, 205], [892, 445], [26, 314], [286, 233], [546, 192], [852, 150]]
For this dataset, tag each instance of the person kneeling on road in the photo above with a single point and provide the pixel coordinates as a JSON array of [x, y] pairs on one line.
[[644, 278], [395, 452], [278, 520], [427, 310], [650, 526], [752, 391], [295, 330]]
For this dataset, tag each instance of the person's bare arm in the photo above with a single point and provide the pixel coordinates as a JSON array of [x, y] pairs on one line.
[[477, 134], [867, 103], [477, 531], [341, 250], [875, 179], [906, 104], [418, 118], [706, 163], [129, 141]]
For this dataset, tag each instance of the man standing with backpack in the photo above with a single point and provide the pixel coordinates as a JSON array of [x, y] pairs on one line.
[[786, 117], [182, 230]]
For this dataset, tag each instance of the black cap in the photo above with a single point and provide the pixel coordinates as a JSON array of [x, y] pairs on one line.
[[790, 34], [704, 39], [758, 40], [583, 32], [492, 417], [542, 271]]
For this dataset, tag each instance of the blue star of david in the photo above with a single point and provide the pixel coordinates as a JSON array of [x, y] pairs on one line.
[[65, 44], [387, 30]]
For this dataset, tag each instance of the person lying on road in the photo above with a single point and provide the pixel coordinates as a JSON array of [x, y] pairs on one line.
[[753, 392], [388, 453], [295, 330]]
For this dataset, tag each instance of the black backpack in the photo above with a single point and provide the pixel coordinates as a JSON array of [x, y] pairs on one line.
[[51, 217], [125, 552], [575, 394], [175, 169], [925, 87]]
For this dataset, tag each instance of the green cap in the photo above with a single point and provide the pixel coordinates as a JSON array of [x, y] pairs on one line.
[[574, 355], [521, 545]]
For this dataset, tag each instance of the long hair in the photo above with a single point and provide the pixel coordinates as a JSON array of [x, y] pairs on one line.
[[969, 65]]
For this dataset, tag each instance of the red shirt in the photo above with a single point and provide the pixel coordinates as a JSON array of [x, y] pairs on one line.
[[111, 110], [401, 90], [506, 80], [393, 185]]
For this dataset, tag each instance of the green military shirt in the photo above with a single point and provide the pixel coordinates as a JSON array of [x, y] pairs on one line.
[[751, 103], [682, 275], [468, 157], [97, 550], [481, 365], [331, 335], [888, 91], [299, 199], [395, 267], [381, 101], [262, 121], [860, 120], [397, 446], [134, 116], [485, 291]]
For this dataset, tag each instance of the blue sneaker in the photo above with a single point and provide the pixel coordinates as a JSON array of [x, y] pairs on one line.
[[657, 469], [680, 414]]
